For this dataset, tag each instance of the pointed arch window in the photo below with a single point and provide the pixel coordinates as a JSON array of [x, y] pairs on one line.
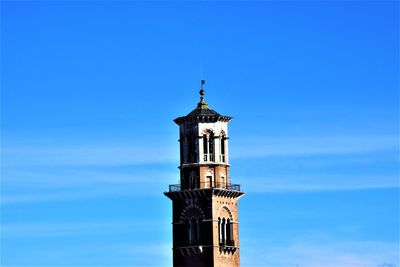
[[223, 148], [193, 224], [208, 146], [189, 230], [229, 233], [205, 144], [194, 231], [225, 232]]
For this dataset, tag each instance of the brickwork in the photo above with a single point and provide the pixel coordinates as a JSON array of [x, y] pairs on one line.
[[227, 208], [209, 208]]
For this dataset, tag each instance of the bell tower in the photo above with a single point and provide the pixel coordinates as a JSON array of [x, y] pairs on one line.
[[205, 221]]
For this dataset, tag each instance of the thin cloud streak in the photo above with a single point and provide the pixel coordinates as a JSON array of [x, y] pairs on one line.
[[63, 228], [73, 178], [47, 173], [287, 184], [300, 146], [104, 155], [134, 154], [77, 194], [329, 253], [252, 185]]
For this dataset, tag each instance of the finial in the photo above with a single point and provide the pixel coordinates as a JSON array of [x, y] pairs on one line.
[[202, 92], [202, 104]]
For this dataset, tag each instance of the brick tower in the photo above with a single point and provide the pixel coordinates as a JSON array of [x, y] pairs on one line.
[[205, 221]]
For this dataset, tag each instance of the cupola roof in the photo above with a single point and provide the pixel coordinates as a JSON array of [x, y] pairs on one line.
[[202, 113]]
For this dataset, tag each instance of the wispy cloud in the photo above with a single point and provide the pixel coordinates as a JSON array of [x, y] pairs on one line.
[[40, 184], [37, 174], [101, 253], [303, 183], [322, 254], [63, 195], [53, 229], [254, 146], [92, 155], [74, 177], [106, 154]]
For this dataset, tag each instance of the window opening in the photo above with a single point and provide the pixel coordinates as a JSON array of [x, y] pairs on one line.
[[223, 182], [211, 147], [194, 231], [209, 181], [223, 140], [198, 222], [192, 148], [205, 147], [208, 147], [228, 232], [190, 231]]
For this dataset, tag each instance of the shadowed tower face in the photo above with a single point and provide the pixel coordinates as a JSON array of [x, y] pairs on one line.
[[204, 204]]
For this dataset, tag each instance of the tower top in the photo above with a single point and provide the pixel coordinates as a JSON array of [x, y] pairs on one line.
[[202, 113]]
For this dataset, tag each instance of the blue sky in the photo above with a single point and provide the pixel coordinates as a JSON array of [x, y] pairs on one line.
[[89, 92]]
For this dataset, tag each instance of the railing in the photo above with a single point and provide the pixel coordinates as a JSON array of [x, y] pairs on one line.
[[180, 187], [174, 187], [208, 157]]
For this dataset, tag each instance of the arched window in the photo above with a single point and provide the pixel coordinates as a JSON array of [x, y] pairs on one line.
[[189, 230], [193, 181], [208, 181], [223, 148], [223, 230], [232, 239], [208, 146], [198, 234], [193, 222], [194, 231], [222, 183], [229, 233], [205, 145], [211, 146]]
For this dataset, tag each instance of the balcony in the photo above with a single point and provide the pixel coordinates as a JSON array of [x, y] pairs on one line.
[[179, 187]]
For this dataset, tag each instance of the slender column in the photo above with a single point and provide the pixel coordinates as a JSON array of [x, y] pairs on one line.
[[223, 228], [219, 231]]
